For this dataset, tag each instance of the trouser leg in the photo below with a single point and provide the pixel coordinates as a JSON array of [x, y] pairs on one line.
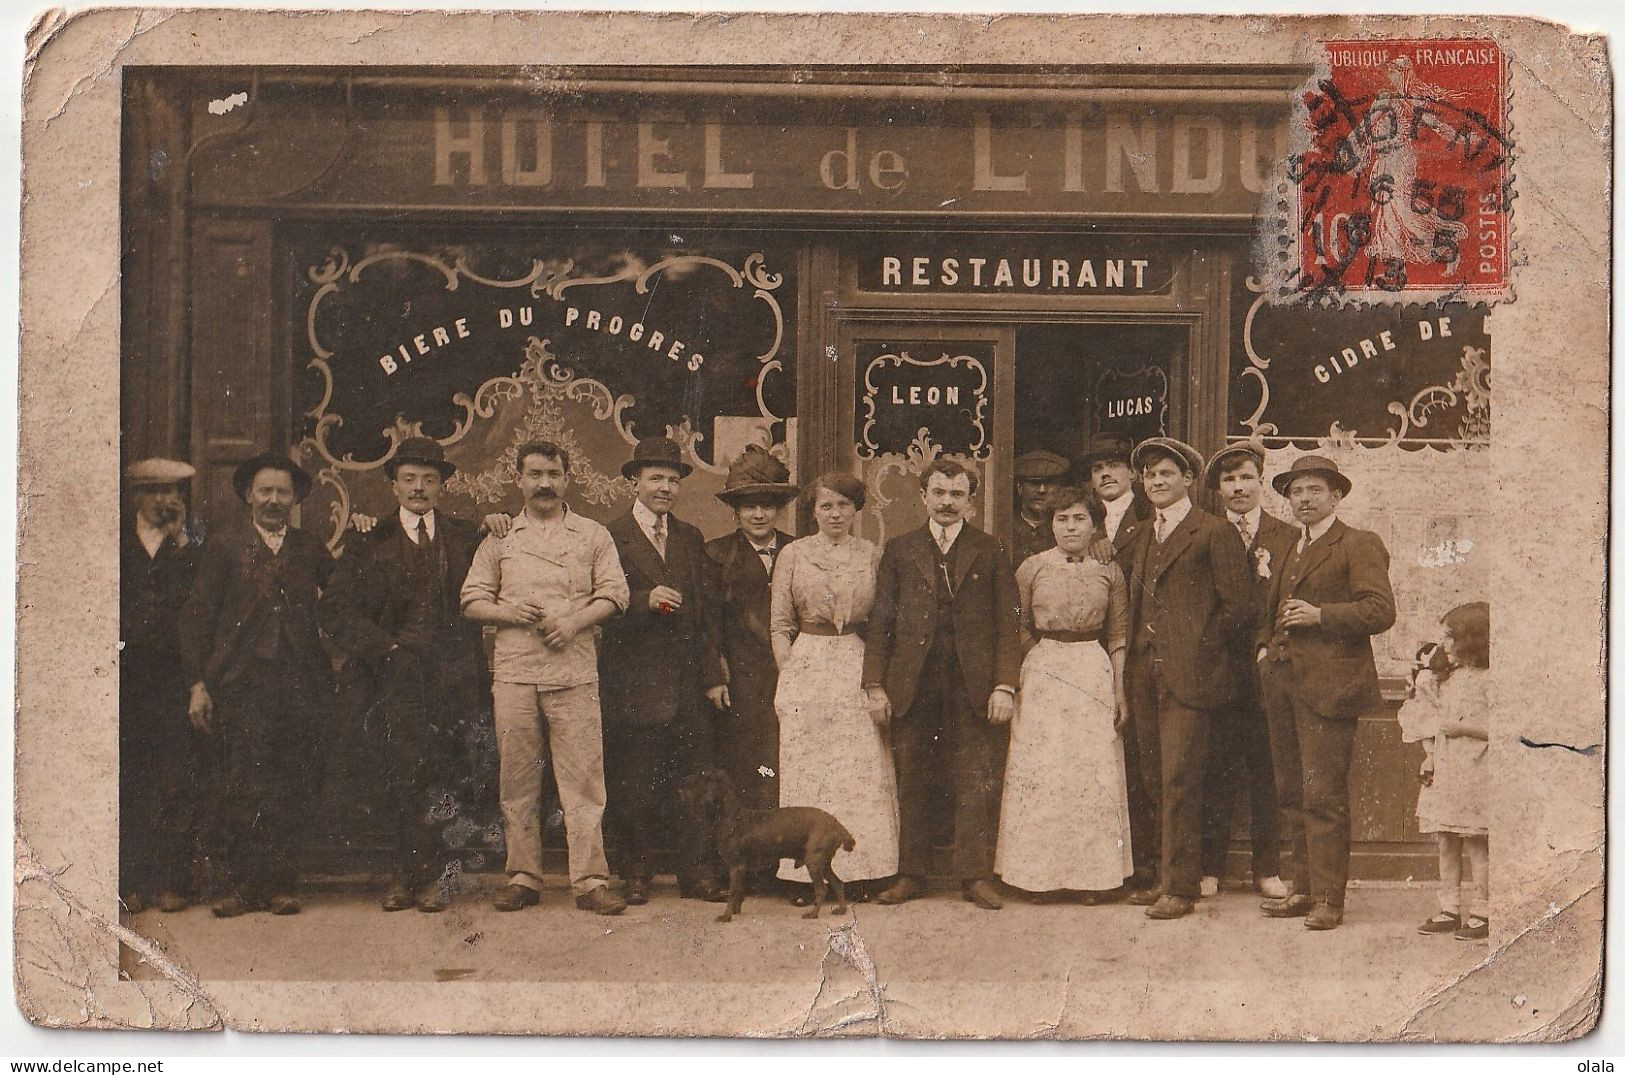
[[1263, 813], [408, 708], [1286, 758], [917, 750], [1328, 748], [980, 748], [1183, 733], [693, 750], [1142, 701], [575, 733], [1220, 787], [634, 770], [522, 757]]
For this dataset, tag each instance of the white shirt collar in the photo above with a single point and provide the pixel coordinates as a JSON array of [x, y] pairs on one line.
[[1174, 514], [646, 519], [1318, 531], [409, 523], [946, 535], [272, 538], [1251, 517], [152, 538]]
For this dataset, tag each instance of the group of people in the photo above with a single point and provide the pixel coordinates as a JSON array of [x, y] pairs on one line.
[[1079, 720]]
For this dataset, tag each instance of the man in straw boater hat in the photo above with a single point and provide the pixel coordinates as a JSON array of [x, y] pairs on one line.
[[1239, 740], [1188, 593], [1325, 601], [1038, 473], [260, 682], [547, 582], [659, 665], [415, 667], [741, 571], [159, 753]]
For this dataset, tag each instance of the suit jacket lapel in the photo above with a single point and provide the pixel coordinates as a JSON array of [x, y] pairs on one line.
[[1318, 551], [922, 552], [965, 552], [1174, 545], [644, 555]]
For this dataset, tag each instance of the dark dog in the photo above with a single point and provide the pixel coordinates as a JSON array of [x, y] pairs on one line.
[[754, 839]]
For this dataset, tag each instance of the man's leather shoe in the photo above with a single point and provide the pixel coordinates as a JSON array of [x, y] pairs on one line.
[[434, 897], [1323, 916], [230, 907], [637, 891], [902, 890], [709, 891], [601, 901], [398, 898], [1144, 897], [171, 902], [516, 897], [1291, 907], [1169, 907], [983, 893]]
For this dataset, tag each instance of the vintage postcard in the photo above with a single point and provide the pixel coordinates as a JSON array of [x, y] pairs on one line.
[[784, 525]]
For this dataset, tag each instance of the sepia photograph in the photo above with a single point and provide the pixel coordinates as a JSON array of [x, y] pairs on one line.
[[636, 525]]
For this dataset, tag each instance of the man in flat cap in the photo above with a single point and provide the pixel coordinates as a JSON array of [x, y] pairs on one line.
[[1327, 599], [546, 583], [740, 573], [414, 666], [159, 753], [260, 682], [1188, 594], [658, 666], [1038, 473], [1239, 740]]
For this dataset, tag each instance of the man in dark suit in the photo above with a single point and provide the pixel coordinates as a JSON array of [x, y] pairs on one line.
[[658, 666], [1318, 675], [1037, 475], [739, 600], [159, 751], [941, 663], [1238, 759], [414, 666], [260, 681], [1188, 595]]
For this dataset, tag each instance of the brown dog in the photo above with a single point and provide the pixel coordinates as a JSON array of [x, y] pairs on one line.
[[755, 839]]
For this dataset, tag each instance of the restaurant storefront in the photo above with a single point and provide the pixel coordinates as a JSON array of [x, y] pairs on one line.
[[858, 269]]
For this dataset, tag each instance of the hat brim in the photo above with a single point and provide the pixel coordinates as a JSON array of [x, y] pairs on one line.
[[781, 492], [243, 476], [631, 467], [1216, 464], [1193, 459], [1283, 481], [445, 466]]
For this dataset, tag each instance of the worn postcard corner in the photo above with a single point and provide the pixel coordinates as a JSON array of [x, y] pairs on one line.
[[813, 525]]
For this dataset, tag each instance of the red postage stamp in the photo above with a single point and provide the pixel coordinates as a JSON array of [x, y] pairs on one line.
[[1404, 188]]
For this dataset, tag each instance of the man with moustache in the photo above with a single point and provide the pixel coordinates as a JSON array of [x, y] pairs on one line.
[[659, 665], [1189, 593], [260, 682], [414, 664], [1330, 595], [1038, 473], [1105, 466], [739, 575], [941, 662], [1238, 760], [546, 585], [159, 751]]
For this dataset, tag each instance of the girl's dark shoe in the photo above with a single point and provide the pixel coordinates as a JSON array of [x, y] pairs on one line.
[[1476, 928], [1443, 922]]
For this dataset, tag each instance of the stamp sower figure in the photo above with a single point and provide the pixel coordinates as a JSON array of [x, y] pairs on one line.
[[1318, 675], [1188, 594], [1037, 474], [260, 682], [659, 666], [546, 584], [1239, 741], [941, 662], [159, 755], [741, 571], [414, 662]]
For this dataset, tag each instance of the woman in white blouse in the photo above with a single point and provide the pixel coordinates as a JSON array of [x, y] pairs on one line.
[[831, 753], [1064, 821]]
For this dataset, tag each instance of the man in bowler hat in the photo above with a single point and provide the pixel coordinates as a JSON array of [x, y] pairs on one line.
[[414, 665], [1327, 599], [1188, 594], [658, 668], [159, 752], [740, 598], [260, 682], [1037, 475], [941, 662], [1238, 756]]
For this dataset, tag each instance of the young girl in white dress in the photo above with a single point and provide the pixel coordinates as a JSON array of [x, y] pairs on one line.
[[1449, 715]]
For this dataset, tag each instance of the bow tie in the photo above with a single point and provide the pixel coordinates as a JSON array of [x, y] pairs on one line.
[[1077, 559]]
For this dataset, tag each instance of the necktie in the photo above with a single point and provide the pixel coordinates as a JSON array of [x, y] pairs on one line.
[[423, 532], [1246, 531], [942, 539], [660, 535], [1303, 545], [1162, 527], [766, 553]]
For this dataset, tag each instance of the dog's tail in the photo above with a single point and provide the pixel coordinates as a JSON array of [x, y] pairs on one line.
[[847, 843]]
